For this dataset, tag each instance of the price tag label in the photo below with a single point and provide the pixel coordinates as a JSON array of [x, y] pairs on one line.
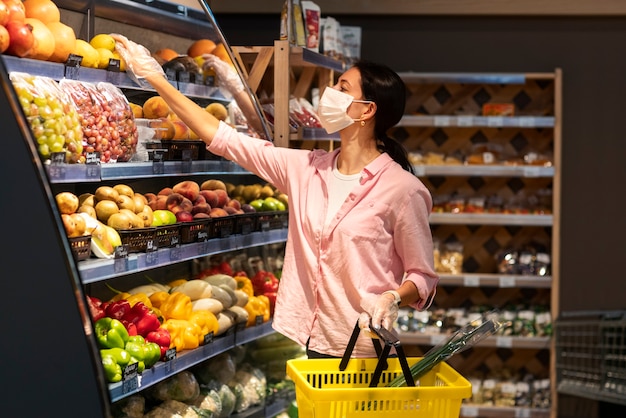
[[522, 413], [420, 170], [56, 170], [170, 360], [186, 160], [120, 264], [203, 248], [114, 65], [72, 66], [92, 165], [158, 162], [471, 281], [527, 122], [184, 77], [495, 121], [507, 281], [258, 320], [130, 385], [208, 338], [531, 171], [465, 121], [152, 256], [175, 253], [442, 120], [504, 342], [170, 74]]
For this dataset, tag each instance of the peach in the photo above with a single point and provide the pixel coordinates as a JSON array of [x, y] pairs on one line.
[[181, 130], [163, 128], [199, 199], [211, 197], [213, 184], [161, 203], [233, 203], [176, 202], [201, 215], [230, 210], [218, 213], [166, 191], [222, 198], [187, 188], [201, 207], [155, 107]]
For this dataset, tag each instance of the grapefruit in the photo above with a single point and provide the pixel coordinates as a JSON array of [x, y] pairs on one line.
[[64, 41], [201, 46], [44, 40], [166, 54], [44, 10]]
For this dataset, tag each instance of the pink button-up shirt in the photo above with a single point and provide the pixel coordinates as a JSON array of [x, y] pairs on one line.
[[380, 233]]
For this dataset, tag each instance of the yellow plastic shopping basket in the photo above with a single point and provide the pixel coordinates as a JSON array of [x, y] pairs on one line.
[[345, 388]]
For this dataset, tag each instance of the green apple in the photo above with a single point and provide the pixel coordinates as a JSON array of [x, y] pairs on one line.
[[257, 204]]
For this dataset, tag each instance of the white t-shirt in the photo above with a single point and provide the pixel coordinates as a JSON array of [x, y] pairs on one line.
[[338, 190]]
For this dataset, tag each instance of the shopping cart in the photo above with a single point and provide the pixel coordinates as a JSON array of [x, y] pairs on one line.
[[356, 387]]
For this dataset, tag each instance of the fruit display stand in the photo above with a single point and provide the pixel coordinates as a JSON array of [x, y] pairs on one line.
[[72, 363], [296, 71], [455, 123]]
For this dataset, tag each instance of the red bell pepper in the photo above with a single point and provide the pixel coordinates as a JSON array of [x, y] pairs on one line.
[[117, 310], [144, 319], [95, 308], [162, 338], [264, 282]]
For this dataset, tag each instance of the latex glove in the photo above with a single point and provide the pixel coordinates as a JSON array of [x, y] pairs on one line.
[[381, 310], [227, 76], [139, 61]]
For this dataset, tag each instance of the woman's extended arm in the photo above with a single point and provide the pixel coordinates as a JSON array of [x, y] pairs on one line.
[[143, 66]]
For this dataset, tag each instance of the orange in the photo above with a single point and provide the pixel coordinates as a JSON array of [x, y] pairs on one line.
[[43, 10], [166, 54], [201, 46], [221, 52]]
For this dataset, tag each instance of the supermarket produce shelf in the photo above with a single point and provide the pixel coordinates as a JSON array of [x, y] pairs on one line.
[[490, 219], [495, 280], [494, 170], [412, 338], [464, 78], [187, 359], [94, 270], [503, 412], [71, 173], [478, 121]]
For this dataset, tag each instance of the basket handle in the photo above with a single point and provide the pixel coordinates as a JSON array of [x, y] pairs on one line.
[[390, 340]]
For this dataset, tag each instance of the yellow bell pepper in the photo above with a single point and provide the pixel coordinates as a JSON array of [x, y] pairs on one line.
[[176, 282], [245, 284], [206, 321], [185, 335], [120, 296], [139, 297], [157, 298], [257, 306], [176, 306]]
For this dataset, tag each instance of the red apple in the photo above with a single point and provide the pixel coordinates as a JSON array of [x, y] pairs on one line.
[[184, 216], [21, 37], [4, 13]]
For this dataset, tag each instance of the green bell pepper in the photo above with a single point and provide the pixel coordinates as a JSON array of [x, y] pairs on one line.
[[111, 333], [142, 350], [121, 356], [112, 370], [141, 366]]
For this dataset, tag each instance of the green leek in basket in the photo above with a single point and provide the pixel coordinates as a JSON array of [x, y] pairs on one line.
[[461, 340]]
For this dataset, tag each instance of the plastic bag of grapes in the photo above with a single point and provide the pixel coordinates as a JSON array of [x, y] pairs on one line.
[[52, 116], [123, 119]]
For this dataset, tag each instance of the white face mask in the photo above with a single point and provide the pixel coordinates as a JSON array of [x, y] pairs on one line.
[[332, 109]]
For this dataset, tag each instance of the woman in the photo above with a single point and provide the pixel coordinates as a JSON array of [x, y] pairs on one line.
[[359, 243]]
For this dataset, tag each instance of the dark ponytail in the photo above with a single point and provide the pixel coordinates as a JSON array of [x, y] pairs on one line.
[[384, 87]]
